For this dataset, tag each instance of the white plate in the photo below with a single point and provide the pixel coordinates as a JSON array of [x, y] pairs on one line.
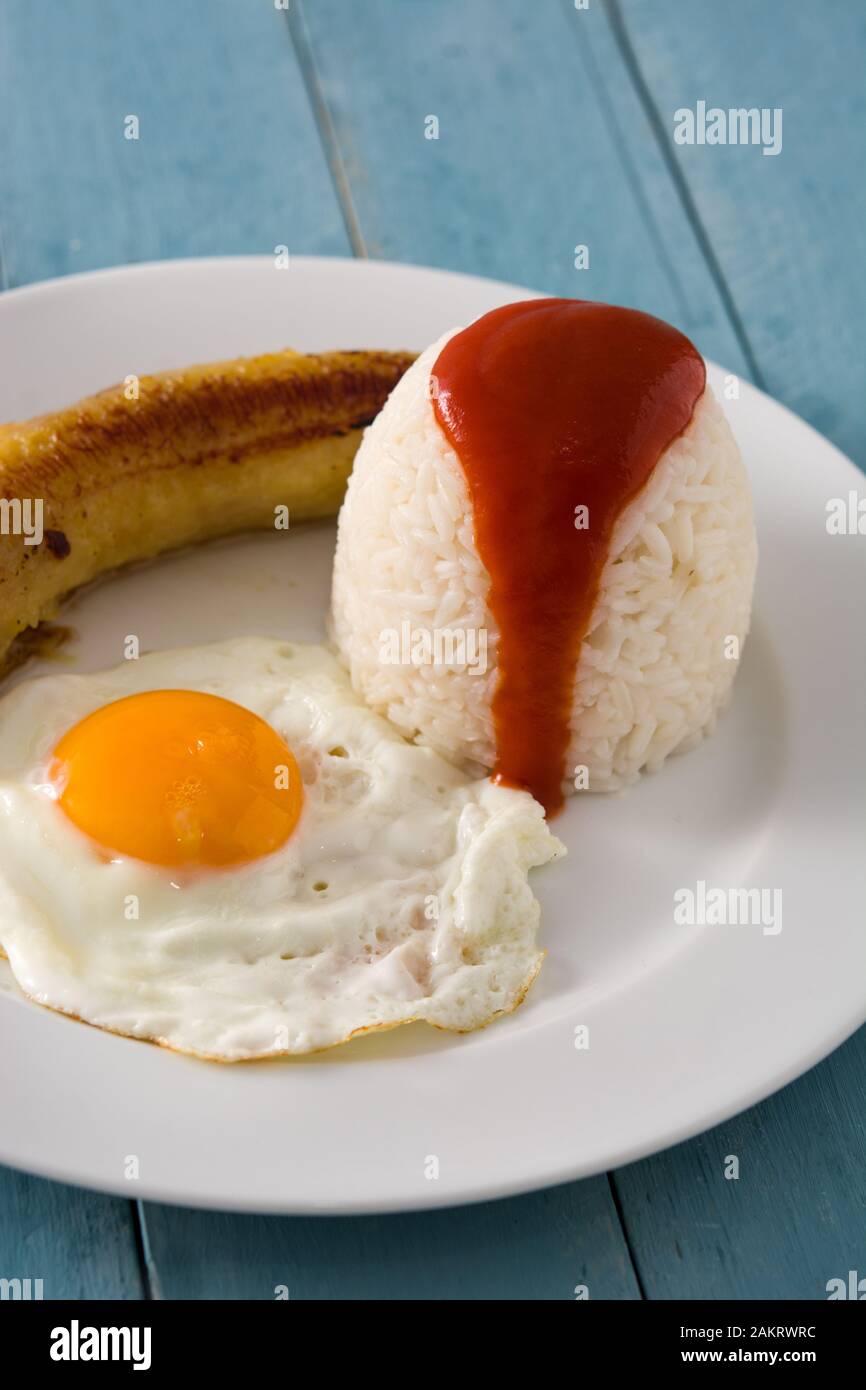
[[686, 1024]]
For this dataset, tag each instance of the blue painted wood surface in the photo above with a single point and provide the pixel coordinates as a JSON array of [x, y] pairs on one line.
[[228, 158], [543, 1246], [79, 1244], [555, 125], [786, 233]]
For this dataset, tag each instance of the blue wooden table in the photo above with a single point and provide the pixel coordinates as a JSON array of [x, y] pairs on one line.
[[303, 123]]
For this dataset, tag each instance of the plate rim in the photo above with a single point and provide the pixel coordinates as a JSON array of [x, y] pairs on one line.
[[545, 1175]]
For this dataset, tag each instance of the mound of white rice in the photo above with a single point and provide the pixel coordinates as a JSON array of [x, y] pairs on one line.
[[659, 659]]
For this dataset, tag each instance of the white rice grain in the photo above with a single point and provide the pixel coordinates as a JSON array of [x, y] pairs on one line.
[[654, 667]]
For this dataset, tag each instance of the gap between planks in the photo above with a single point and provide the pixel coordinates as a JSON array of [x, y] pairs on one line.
[[681, 187], [148, 1273], [322, 116]]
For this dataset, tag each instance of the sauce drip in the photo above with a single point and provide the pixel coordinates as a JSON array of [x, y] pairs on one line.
[[551, 406]]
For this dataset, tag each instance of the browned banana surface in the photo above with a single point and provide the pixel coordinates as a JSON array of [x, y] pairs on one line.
[[176, 458]]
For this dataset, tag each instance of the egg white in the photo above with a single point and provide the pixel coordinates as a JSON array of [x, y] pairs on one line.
[[427, 913]]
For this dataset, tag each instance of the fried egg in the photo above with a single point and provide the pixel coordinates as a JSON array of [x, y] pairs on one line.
[[223, 850]]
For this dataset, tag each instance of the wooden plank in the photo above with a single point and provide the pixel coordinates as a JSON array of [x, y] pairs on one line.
[[489, 201], [794, 1219], [76, 195], [785, 234], [537, 1247], [583, 147], [788, 231], [80, 1244], [228, 158], [543, 146]]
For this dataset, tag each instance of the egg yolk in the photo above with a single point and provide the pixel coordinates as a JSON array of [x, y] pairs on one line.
[[180, 779]]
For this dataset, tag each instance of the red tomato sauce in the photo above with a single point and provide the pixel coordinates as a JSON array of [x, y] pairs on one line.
[[553, 406]]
